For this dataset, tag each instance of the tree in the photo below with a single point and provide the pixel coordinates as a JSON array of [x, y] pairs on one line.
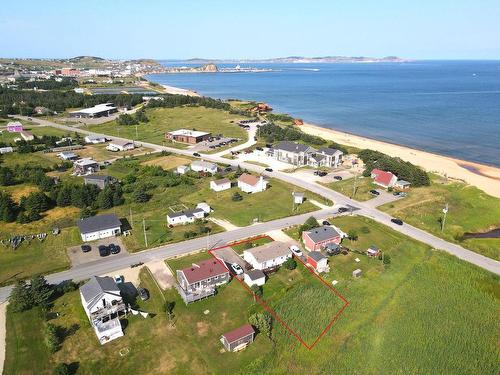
[[41, 291], [61, 369], [126, 119], [237, 197], [290, 264], [140, 116], [20, 298], [6, 176], [169, 309], [310, 223], [257, 290], [52, 337], [8, 208], [86, 212], [352, 234], [105, 198], [263, 322], [63, 198], [140, 195]]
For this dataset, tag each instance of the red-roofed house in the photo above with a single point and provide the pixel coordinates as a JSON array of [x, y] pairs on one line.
[[200, 279], [383, 178], [238, 338]]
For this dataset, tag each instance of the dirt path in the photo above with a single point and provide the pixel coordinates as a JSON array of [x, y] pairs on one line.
[[223, 223], [161, 273]]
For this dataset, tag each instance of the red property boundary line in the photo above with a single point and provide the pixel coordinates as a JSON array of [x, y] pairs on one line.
[[270, 310]]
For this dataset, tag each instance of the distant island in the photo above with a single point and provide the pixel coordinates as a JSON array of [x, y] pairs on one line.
[[301, 59]]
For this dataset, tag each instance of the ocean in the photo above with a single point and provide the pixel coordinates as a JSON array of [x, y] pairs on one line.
[[446, 107]]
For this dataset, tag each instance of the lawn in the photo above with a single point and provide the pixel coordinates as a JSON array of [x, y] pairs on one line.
[[248, 244], [470, 210], [273, 203], [162, 120], [426, 312], [361, 187], [168, 162]]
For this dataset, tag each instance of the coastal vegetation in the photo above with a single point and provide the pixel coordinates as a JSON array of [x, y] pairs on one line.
[[397, 315], [274, 133]]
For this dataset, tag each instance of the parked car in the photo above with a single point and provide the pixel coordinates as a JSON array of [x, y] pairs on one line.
[[196, 154], [338, 178], [326, 222], [259, 148], [397, 221], [374, 192], [296, 251], [228, 169], [237, 268], [143, 293], [268, 169], [86, 248], [103, 250], [343, 209], [320, 173], [118, 279], [114, 249]]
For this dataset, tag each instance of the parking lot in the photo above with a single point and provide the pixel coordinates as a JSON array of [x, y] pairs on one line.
[[213, 145], [77, 256]]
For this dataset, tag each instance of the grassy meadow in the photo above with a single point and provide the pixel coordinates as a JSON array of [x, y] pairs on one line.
[[362, 191], [426, 312]]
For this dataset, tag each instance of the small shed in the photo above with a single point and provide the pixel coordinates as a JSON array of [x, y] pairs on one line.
[[205, 207], [182, 169], [357, 273], [318, 261], [373, 251], [402, 185], [238, 339], [255, 277], [298, 198]]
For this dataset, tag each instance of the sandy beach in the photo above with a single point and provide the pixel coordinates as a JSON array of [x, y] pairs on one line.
[[179, 91], [486, 178]]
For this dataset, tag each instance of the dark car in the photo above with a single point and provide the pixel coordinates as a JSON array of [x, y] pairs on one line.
[[196, 154], [228, 169], [397, 221], [326, 222], [259, 148], [343, 209], [322, 174], [103, 250], [114, 249], [143, 293], [338, 178], [268, 169], [374, 192], [86, 248]]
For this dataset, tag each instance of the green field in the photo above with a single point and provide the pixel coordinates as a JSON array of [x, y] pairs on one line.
[[426, 312], [360, 187], [470, 210], [162, 120]]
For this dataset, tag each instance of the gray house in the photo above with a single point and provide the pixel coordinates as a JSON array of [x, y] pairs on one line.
[[301, 155], [98, 180]]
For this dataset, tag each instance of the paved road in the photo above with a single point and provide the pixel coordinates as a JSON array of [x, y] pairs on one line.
[[339, 199]]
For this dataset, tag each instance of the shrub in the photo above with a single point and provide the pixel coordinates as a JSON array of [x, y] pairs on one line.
[[52, 338], [237, 197], [353, 235], [290, 264], [263, 322], [257, 289], [61, 369]]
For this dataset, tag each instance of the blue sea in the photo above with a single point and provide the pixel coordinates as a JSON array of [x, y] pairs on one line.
[[446, 107]]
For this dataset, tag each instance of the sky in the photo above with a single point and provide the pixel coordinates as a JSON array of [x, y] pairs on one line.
[[166, 29]]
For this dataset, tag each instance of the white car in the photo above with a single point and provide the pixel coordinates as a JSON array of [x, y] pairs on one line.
[[237, 268], [118, 279], [296, 251]]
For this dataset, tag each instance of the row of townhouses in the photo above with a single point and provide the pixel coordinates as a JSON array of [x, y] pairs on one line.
[[301, 155]]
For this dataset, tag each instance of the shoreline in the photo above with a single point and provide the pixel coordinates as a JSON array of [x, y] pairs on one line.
[[484, 177], [178, 91]]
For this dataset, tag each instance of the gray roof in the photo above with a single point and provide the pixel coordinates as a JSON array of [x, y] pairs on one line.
[[188, 213], [292, 147], [403, 182], [329, 151], [316, 255], [97, 223], [322, 233], [318, 157], [96, 286], [255, 274], [269, 251], [98, 177]]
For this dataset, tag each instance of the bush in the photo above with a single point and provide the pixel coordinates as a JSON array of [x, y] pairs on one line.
[[263, 322], [237, 197], [353, 235], [126, 119], [61, 369], [290, 264], [257, 289], [52, 338]]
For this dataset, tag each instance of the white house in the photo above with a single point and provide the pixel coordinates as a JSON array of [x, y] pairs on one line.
[[85, 166], [100, 226], [267, 256], [95, 139], [182, 169], [220, 185], [103, 304], [67, 155], [255, 277], [203, 166], [119, 145], [6, 150], [185, 217], [205, 207], [298, 198], [251, 184]]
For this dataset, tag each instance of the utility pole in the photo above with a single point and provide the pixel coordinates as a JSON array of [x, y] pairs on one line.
[[144, 228], [354, 184], [136, 133], [131, 220], [208, 240], [445, 212]]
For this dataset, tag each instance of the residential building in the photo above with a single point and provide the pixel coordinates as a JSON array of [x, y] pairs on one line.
[[85, 166], [220, 185], [267, 256], [67, 155], [205, 207], [182, 169], [100, 226], [185, 217], [95, 139], [103, 304], [298, 198], [100, 110], [6, 150], [402, 185], [200, 279], [251, 184], [317, 238], [203, 166], [301, 155], [326, 157], [27, 136], [101, 181], [318, 261], [238, 339], [254, 277], [14, 127], [383, 178], [119, 145], [39, 110], [187, 136]]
